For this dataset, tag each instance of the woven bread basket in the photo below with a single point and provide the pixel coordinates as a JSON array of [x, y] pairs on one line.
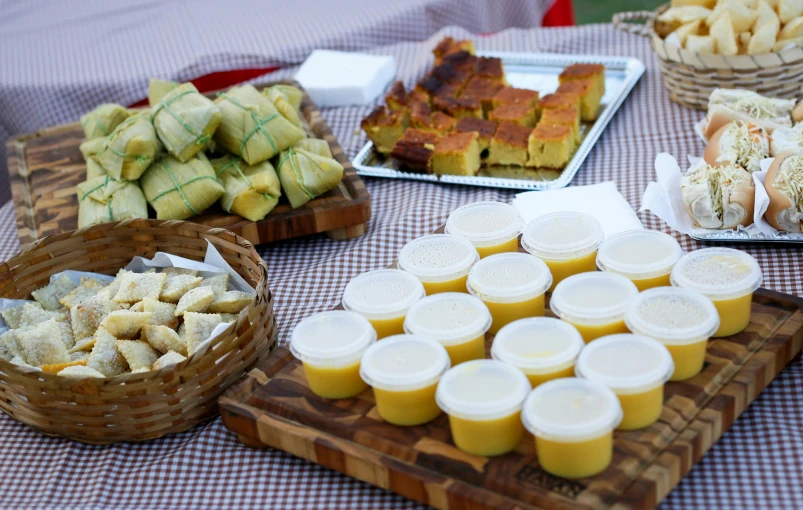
[[142, 406], [690, 77]]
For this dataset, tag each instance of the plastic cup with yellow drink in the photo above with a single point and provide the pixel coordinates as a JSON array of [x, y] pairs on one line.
[[645, 257], [727, 277], [404, 371], [330, 346], [483, 399], [440, 261], [383, 297], [492, 227]]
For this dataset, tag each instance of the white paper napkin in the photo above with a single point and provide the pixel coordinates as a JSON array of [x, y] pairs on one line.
[[603, 201]]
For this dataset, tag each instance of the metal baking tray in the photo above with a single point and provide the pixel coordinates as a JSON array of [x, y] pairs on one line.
[[536, 71], [742, 236]]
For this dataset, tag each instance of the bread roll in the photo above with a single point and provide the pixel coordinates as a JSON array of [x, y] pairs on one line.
[[718, 197], [740, 143], [785, 139], [727, 105], [797, 113], [784, 185]]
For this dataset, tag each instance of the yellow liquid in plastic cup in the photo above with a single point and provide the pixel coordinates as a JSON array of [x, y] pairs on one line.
[[330, 346], [492, 227], [383, 297], [728, 278], [645, 257], [483, 399], [635, 368], [543, 348], [566, 241], [594, 303], [681, 319], [404, 371], [512, 286], [457, 321], [572, 421], [440, 261]]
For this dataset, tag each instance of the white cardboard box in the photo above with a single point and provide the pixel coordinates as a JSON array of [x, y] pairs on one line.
[[339, 78]]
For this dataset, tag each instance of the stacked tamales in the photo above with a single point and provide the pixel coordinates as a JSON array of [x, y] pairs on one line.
[[158, 156]]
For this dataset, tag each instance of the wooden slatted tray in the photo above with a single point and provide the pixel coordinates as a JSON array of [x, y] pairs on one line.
[[273, 407], [45, 167]]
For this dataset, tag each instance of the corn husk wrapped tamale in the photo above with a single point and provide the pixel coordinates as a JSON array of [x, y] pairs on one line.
[[90, 148], [103, 199], [179, 190], [93, 168], [283, 104], [185, 121], [251, 126], [306, 174], [102, 120], [157, 89], [130, 149], [252, 191]]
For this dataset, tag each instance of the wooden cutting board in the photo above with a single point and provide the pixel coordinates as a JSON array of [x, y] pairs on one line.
[[273, 407], [45, 167]]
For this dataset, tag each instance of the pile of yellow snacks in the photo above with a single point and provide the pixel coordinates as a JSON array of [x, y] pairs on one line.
[[601, 365]]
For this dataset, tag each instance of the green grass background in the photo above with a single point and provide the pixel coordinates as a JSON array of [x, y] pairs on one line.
[[600, 11]]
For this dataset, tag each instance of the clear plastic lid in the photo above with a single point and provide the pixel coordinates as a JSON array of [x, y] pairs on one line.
[[571, 410], [639, 254], [333, 338], [719, 273], [562, 235], [449, 317], [509, 278], [593, 298], [482, 389], [404, 363], [382, 294], [625, 363], [485, 223], [538, 345], [438, 257], [672, 315]]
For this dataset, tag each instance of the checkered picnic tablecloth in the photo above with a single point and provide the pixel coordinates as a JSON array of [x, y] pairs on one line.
[[755, 465]]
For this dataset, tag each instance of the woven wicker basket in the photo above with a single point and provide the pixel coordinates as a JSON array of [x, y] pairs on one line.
[[690, 77], [135, 407]]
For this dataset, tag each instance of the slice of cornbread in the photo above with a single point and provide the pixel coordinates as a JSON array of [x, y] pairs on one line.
[[458, 107], [396, 99], [384, 127], [550, 146], [449, 46], [456, 154], [490, 68], [520, 113], [593, 72], [483, 90], [562, 117], [484, 128], [590, 99], [414, 150], [448, 73], [514, 95], [509, 145], [559, 100]]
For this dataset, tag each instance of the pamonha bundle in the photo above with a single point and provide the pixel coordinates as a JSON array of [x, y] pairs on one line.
[[252, 191], [177, 190], [185, 121], [102, 120], [103, 199], [308, 170], [130, 149]]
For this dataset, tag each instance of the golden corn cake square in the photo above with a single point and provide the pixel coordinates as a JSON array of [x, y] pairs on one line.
[[550, 146], [562, 117], [456, 154], [438, 123], [560, 101], [520, 113], [593, 72], [460, 60], [514, 95], [449, 46], [483, 90], [384, 127], [420, 113], [484, 128], [429, 85], [396, 98], [590, 100], [418, 95], [414, 150], [490, 68], [458, 107], [447, 73], [509, 145]]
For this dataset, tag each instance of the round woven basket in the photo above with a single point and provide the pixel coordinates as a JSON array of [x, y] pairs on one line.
[[690, 77], [135, 407]]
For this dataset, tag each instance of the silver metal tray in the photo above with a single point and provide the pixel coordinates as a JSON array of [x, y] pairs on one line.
[[536, 71], [741, 236]]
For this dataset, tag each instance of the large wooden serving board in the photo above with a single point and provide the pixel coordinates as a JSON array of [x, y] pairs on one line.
[[273, 407], [45, 167]]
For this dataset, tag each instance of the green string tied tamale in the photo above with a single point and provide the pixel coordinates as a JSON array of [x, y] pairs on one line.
[[130, 149], [307, 171], [251, 127], [278, 96], [102, 120], [185, 121], [177, 190], [103, 199], [251, 191]]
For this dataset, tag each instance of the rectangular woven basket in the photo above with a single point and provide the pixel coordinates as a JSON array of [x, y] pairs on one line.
[[690, 77], [142, 406]]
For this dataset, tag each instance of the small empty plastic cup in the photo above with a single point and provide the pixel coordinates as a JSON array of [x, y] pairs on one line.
[[457, 321], [512, 286], [404, 371], [492, 227], [635, 367], [566, 241], [645, 257], [330, 346], [440, 261], [542, 347], [594, 303], [681, 319], [483, 399], [573, 422], [383, 297], [727, 277]]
